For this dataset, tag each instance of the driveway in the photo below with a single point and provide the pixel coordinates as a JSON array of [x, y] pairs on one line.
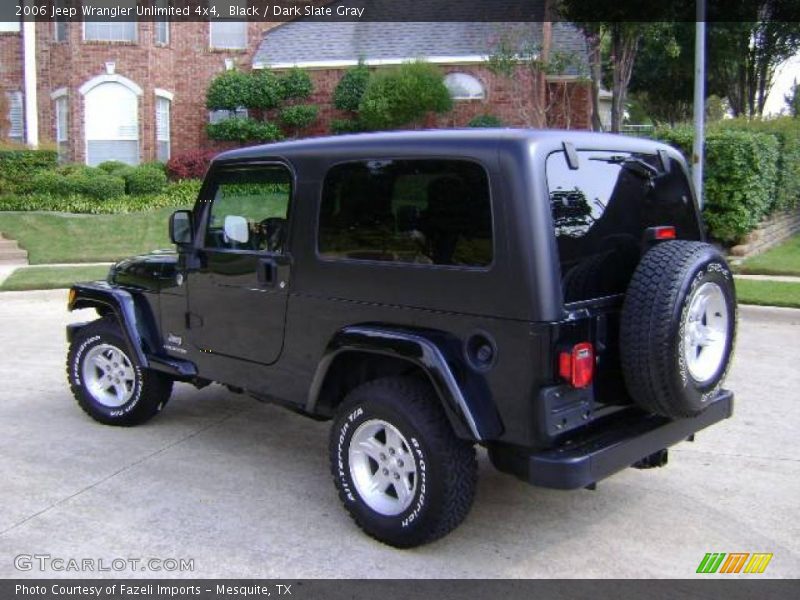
[[243, 488]]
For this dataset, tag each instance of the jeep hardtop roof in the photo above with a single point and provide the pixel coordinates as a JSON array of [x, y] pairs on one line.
[[458, 141]]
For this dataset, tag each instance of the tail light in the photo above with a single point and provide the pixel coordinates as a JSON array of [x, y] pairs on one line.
[[576, 365], [660, 233]]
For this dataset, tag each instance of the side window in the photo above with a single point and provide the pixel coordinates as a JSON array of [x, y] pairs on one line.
[[249, 209], [435, 212]]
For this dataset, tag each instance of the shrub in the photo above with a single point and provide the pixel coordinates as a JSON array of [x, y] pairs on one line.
[[48, 182], [229, 90], [485, 121], [97, 184], [740, 177], [350, 89], [299, 116], [787, 131], [266, 91], [339, 126], [145, 179], [181, 194], [190, 165], [238, 129], [402, 95], [112, 167], [296, 85], [18, 165]]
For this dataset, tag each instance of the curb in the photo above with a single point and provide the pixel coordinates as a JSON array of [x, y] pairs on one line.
[[773, 314]]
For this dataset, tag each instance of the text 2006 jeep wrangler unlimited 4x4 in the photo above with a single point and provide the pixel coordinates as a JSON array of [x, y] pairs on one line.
[[547, 295]]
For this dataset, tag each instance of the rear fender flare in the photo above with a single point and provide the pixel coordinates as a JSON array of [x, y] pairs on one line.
[[465, 395]]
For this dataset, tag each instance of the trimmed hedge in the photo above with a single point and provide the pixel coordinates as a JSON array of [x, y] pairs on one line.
[[17, 165], [239, 129], [83, 181], [179, 194], [485, 121], [350, 89], [741, 176], [144, 180]]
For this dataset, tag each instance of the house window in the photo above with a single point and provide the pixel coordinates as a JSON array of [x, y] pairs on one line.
[[16, 117], [112, 124], [215, 116], [110, 31], [463, 86], [163, 106], [229, 35], [62, 127], [161, 32], [60, 24]]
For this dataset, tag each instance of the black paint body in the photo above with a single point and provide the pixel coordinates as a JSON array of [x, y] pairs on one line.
[[279, 342]]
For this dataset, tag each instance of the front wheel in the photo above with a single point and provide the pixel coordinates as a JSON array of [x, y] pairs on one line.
[[401, 472], [106, 381]]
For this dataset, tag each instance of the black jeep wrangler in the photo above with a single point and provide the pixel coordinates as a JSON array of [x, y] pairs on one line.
[[547, 295]]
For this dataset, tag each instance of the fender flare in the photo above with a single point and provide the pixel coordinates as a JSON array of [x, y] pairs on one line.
[[465, 396], [137, 321]]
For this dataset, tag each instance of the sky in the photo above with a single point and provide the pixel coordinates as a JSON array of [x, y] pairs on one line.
[[784, 78]]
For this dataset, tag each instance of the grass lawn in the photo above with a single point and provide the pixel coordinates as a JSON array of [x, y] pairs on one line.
[[781, 260], [48, 278], [768, 293], [73, 238]]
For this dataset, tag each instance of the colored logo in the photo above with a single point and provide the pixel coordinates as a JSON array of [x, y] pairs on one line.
[[734, 562]]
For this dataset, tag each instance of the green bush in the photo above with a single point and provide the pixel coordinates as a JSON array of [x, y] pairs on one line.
[[741, 174], [19, 164], [339, 126], [145, 179], [350, 89], [266, 91], [299, 116], [97, 184], [239, 129], [485, 121], [787, 132], [401, 95], [296, 85], [48, 182], [230, 90], [180, 194]]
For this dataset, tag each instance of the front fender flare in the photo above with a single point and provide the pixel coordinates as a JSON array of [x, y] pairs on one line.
[[464, 393]]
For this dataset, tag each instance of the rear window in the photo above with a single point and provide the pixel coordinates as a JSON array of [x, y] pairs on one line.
[[601, 211], [435, 212]]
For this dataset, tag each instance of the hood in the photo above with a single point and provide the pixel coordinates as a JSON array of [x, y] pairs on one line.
[[152, 271]]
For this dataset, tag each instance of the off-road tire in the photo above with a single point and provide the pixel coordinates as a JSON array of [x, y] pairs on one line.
[[447, 467], [653, 322], [150, 392]]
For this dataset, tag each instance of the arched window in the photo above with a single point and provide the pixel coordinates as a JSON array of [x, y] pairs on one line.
[[111, 112], [463, 86]]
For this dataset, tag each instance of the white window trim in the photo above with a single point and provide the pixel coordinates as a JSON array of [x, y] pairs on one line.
[[231, 48], [57, 100], [168, 139], [55, 95], [105, 78], [375, 62], [164, 94], [454, 96]]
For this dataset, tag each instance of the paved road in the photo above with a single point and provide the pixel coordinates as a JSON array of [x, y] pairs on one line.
[[243, 488]]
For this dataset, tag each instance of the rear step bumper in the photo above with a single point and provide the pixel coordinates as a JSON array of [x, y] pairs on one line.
[[629, 440]]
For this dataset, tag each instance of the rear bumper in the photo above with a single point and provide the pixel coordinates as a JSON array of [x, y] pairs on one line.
[[586, 461]]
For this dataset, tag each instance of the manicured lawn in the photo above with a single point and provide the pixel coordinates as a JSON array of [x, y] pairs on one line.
[[768, 293], [781, 260], [73, 238], [48, 278]]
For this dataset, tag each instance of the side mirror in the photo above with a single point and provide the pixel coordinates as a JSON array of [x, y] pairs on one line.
[[181, 231], [236, 229]]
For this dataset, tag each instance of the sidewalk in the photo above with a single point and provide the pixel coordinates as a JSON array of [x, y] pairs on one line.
[[784, 278], [7, 270]]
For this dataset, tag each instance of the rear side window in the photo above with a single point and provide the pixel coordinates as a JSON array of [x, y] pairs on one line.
[[601, 211], [435, 212]]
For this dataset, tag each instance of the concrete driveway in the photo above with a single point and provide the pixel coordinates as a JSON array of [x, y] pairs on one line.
[[243, 489]]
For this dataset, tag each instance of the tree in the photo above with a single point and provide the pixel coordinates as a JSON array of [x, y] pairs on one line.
[[744, 55], [402, 95], [792, 100]]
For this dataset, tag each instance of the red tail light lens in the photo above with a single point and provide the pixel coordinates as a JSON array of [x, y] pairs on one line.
[[664, 233], [577, 365]]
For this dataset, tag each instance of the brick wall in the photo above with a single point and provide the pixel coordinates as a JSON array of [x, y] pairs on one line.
[[186, 65], [779, 227]]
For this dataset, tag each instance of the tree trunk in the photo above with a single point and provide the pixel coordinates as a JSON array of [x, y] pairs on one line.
[[624, 44], [540, 76], [596, 73]]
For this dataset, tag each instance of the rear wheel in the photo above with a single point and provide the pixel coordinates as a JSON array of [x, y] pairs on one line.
[[106, 381], [678, 328], [401, 472]]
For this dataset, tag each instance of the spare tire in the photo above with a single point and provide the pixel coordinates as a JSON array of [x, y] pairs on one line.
[[678, 328]]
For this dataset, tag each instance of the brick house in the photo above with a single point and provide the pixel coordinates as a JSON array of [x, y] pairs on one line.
[[136, 91]]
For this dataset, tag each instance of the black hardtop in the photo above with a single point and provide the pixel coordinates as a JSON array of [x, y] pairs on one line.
[[458, 141]]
